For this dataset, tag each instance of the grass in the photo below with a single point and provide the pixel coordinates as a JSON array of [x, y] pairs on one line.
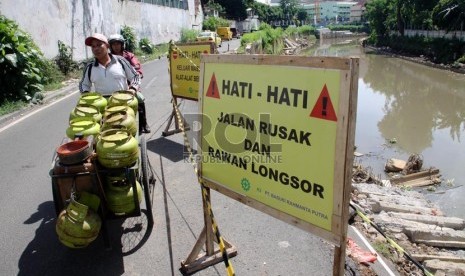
[[9, 107], [384, 249]]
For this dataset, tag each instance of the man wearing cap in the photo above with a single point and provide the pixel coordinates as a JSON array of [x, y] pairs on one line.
[[108, 73]]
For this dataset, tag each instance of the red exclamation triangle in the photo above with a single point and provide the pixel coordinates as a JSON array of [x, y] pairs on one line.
[[213, 91], [323, 108]]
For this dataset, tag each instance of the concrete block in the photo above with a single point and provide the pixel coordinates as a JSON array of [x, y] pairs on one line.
[[449, 268], [449, 222]]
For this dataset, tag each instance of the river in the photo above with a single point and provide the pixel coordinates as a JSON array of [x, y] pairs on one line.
[[419, 107]]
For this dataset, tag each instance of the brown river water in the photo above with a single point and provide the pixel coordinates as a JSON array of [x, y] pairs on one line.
[[421, 108]]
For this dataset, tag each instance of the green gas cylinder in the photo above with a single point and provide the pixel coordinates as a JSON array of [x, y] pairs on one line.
[[77, 225], [123, 97], [117, 148], [94, 98]]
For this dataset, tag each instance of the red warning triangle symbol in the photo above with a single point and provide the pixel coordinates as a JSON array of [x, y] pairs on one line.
[[323, 108], [213, 91]]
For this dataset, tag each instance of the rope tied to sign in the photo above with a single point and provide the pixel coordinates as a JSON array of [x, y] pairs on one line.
[[205, 195], [175, 47]]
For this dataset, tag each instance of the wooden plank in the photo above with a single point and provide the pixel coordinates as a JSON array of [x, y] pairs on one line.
[[203, 261], [336, 63], [422, 181], [409, 177], [197, 247], [340, 152], [349, 143], [328, 236]]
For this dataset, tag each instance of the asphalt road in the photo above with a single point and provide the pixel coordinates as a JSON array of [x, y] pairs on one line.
[[29, 245]]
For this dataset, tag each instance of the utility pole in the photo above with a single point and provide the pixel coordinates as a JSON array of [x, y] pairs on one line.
[[317, 11]]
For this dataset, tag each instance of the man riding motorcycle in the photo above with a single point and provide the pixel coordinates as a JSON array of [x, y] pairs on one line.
[[117, 43]]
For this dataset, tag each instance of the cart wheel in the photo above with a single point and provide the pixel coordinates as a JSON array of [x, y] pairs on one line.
[[145, 178]]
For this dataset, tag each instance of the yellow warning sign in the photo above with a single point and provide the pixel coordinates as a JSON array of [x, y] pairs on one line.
[[263, 136], [185, 68]]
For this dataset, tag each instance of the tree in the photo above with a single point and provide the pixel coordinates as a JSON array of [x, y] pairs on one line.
[[302, 15], [419, 12], [400, 18], [449, 14], [233, 9], [377, 12], [289, 7], [276, 13], [262, 11]]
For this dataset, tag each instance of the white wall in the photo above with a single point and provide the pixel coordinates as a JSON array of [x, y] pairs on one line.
[[437, 33], [71, 21]]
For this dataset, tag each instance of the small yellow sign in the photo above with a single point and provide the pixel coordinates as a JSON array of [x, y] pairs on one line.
[[269, 133], [185, 68]]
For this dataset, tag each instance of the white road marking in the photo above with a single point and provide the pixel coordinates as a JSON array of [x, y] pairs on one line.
[[150, 83], [372, 250]]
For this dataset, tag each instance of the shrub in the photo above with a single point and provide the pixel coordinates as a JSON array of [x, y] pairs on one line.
[[461, 59], [270, 39], [64, 60], [188, 35], [306, 30], [213, 22], [21, 63], [439, 50], [146, 45], [129, 37]]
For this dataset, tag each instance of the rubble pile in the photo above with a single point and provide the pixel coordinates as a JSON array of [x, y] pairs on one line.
[[418, 226]]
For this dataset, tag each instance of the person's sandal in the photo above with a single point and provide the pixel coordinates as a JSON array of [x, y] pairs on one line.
[[146, 129]]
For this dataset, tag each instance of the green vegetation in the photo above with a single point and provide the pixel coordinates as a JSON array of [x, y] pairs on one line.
[[237, 10], [157, 51], [388, 20], [188, 35], [438, 50], [64, 60], [129, 37], [9, 107], [21, 63], [146, 45], [383, 248], [303, 31], [267, 39], [213, 22], [271, 40]]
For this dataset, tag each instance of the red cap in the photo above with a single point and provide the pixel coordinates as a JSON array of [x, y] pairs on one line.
[[96, 36]]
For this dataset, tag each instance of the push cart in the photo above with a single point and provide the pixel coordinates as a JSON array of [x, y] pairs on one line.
[[89, 176]]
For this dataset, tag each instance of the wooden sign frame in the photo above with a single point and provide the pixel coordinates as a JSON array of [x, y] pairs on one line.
[[170, 53], [344, 144], [176, 129]]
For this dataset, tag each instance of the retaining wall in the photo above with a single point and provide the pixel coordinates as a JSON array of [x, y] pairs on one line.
[[71, 21]]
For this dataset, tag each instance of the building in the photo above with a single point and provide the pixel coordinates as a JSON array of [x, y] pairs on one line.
[[357, 11], [325, 12]]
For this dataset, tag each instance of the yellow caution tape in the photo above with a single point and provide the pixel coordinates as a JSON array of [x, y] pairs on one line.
[[391, 241], [206, 198]]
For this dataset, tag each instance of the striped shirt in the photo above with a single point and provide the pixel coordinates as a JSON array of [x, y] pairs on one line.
[[118, 75]]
